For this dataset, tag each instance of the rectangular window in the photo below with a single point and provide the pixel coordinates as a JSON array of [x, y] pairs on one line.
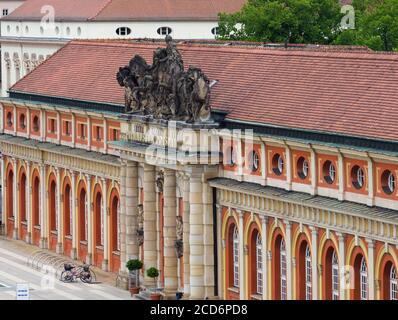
[[52, 125], [5, 12], [115, 135], [98, 133], [68, 128], [82, 131]]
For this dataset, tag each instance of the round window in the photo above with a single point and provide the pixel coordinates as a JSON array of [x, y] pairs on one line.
[[329, 172], [123, 31], [277, 164], [79, 31], [214, 31], [68, 31], [388, 182], [302, 168], [357, 177], [164, 31], [26, 29], [254, 161]]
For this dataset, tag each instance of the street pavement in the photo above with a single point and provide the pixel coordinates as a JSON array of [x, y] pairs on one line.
[[14, 269]]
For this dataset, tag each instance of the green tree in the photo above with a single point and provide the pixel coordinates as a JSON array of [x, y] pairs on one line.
[[376, 25], [293, 21]]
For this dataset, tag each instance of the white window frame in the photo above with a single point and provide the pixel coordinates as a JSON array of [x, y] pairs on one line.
[[235, 256], [280, 164], [332, 172], [283, 270], [360, 177], [393, 284], [305, 168], [392, 183], [259, 264], [335, 277], [364, 280], [308, 273], [254, 161]]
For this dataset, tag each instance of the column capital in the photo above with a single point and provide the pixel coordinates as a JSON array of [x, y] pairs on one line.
[[240, 213], [288, 224], [340, 236], [264, 219], [130, 163], [314, 230], [370, 242]]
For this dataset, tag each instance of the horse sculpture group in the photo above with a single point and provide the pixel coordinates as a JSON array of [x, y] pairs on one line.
[[163, 89]]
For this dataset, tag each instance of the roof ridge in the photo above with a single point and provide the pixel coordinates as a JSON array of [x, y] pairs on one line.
[[107, 3], [297, 52]]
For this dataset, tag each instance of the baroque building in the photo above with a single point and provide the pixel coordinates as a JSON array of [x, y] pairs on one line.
[[38, 28], [240, 172]]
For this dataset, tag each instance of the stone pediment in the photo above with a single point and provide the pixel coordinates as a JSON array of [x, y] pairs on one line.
[[164, 90]]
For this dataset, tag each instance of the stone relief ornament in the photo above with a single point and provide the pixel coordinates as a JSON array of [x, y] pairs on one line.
[[179, 244], [160, 181], [164, 90], [140, 221]]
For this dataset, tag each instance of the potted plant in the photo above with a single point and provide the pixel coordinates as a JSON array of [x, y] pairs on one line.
[[154, 274], [133, 266]]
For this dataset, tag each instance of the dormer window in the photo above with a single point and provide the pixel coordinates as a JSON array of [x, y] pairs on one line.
[[164, 31], [123, 31], [5, 12]]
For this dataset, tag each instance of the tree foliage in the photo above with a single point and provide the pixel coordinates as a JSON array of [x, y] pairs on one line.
[[314, 21]]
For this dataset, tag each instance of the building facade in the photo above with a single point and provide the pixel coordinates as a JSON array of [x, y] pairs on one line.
[[40, 27], [288, 191]]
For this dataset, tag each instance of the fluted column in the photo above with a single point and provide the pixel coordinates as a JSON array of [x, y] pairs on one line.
[[58, 212], [74, 217], [3, 195], [170, 233], [132, 248], [16, 197], [264, 225], [342, 266], [314, 255], [123, 218], [90, 242], [185, 219], [105, 216], [150, 233], [196, 257], [29, 203], [289, 260], [43, 207], [242, 271], [371, 269]]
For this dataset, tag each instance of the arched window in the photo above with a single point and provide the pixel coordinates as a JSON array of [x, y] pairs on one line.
[[335, 277], [259, 264], [364, 280], [235, 253], [308, 274], [393, 284], [283, 270]]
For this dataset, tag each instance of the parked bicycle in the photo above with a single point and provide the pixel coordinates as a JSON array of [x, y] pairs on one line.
[[71, 273]]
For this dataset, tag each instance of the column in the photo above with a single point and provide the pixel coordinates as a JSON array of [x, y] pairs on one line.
[[132, 248], [16, 196], [90, 226], [3, 195], [314, 233], [196, 256], [73, 131], [185, 219], [28, 203], [150, 233], [58, 212], [371, 269], [221, 293], [28, 122], [43, 207], [264, 232], [74, 217], [105, 215], [59, 127], [123, 218], [289, 260], [105, 136], [169, 233], [242, 271], [89, 133], [43, 125], [15, 119], [342, 266]]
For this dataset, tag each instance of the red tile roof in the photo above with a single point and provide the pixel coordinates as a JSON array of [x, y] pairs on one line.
[[108, 10], [351, 93]]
